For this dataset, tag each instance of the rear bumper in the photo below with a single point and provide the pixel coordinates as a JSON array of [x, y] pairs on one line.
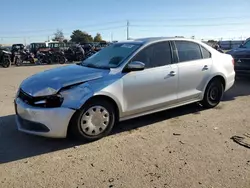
[[48, 122], [230, 81]]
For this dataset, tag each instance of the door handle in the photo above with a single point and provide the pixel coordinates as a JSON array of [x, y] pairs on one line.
[[172, 73], [205, 67]]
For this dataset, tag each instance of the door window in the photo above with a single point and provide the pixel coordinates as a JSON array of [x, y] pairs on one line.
[[205, 53], [155, 55], [188, 51]]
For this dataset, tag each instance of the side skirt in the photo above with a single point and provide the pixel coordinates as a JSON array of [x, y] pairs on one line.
[[160, 109]]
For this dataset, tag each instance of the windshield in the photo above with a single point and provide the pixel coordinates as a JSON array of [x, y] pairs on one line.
[[111, 56], [246, 45]]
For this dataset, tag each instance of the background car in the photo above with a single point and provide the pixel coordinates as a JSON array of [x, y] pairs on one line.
[[241, 56]]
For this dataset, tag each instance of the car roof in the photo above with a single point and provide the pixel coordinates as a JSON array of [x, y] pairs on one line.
[[155, 39]]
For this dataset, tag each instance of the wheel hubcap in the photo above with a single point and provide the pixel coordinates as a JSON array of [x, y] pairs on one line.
[[95, 120], [214, 94]]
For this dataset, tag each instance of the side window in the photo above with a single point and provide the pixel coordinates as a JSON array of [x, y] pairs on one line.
[[188, 51], [155, 55], [205, 53]]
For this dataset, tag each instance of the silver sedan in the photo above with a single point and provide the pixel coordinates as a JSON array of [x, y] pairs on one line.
[[122, 81]]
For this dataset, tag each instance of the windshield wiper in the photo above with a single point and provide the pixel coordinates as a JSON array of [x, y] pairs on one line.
[[94, 66]]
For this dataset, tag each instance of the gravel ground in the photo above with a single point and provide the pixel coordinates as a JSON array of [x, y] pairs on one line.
[[181, 148]]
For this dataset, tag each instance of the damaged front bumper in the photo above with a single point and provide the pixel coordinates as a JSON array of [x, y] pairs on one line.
[[48, 122]]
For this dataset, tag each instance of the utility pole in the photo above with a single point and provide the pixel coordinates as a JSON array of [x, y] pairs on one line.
[[48, 38], [24, 41], [111, 37], [127, 30]]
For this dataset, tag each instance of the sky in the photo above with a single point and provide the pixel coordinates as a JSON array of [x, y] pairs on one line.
[[35, 21]]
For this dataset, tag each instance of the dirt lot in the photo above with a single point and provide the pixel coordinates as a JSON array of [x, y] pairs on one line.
[[181, 148]]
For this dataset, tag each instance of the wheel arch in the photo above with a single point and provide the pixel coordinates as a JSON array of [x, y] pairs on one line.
[[107, 98], [90, 99], [218, 77], [112, 100], [214, 77]]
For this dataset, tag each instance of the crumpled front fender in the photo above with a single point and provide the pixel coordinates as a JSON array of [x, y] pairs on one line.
[[76, 96]]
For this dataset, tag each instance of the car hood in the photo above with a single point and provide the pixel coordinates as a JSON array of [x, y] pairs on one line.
[[51, 81], [240, 52]]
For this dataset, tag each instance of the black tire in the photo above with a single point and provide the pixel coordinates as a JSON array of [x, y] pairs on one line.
[[213, 94], [6, 63], [75, 131]]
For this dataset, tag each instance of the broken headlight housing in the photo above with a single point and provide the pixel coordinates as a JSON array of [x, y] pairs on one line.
[[51, 101]]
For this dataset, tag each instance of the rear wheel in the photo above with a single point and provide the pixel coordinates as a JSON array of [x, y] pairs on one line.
[[94, 121], [213, 94]]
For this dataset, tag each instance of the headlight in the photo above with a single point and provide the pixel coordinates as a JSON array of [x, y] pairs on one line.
[[51, 101]]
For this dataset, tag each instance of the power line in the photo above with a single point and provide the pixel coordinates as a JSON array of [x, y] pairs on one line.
[[189, 25], [74, 27], [122, 21], [37, 35], [108, 28], [186, 18]]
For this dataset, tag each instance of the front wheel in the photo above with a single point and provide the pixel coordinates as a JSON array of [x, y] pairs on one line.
[[6, 63], [213, 94], [94, 121]]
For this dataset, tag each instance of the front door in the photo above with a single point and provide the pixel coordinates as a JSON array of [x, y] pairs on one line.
[[156, 85]]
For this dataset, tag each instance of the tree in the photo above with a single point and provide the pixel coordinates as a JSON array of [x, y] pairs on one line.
[[79, 36], [98, 38], [58, 36]]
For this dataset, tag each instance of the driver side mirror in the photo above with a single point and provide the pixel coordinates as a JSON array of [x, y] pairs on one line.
[[135, 66], [241, 46]]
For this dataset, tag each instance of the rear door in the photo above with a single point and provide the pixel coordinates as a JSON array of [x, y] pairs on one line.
[[194, 64]]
